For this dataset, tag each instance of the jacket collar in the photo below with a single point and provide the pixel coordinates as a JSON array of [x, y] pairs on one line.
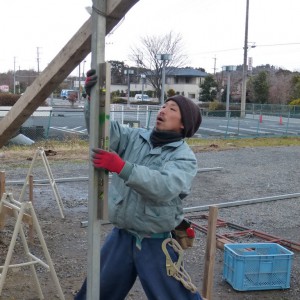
[[146, 136]]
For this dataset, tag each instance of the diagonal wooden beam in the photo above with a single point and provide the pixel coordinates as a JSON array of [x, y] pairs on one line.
[[59, 68]]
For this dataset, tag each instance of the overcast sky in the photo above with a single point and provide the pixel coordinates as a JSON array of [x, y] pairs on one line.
[[213, 31]]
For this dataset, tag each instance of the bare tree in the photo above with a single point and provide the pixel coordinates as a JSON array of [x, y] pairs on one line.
[[280, 88], [146, 57]]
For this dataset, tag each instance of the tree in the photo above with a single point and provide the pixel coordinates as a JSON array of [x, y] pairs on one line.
[[280, 87], [146, 57], [117, 72], [171, 93], [208, 89], [261, 87], [295, 87]]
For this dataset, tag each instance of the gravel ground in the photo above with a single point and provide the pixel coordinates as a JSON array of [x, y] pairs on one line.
[[231, 175]]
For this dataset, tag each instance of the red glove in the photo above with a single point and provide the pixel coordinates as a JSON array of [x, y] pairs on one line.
[[107, 160]]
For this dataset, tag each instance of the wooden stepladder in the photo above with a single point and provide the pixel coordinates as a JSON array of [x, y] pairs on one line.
[[19, 209], [41, 152]]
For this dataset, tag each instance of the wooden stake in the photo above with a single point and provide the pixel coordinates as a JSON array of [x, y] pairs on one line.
[[210, 253]]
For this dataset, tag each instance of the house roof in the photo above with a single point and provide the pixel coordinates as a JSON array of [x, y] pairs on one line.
[[185, 72]]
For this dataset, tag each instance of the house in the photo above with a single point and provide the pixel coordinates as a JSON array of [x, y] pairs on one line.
[[184, 81]]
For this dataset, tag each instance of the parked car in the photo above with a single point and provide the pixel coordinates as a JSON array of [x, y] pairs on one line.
[[69, 95], [141, 97]]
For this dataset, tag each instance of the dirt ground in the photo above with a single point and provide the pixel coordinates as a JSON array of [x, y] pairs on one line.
[[224, 176]]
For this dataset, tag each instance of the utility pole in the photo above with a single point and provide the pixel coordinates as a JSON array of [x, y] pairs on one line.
[[164, 58], [79, 83], [14, 74], [38, 59], [245, 69], [228, 70], [215, 62], [128, 72], [143, 77]]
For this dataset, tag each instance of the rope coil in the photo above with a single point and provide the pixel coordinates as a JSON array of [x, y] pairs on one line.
[[176, 269]]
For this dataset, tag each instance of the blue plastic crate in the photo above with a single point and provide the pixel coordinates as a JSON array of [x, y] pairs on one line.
[[257, 266]]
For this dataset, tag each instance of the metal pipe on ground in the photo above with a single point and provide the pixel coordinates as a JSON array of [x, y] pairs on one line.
[[41, 181], [241, 202], [209, 169], [85, 178]]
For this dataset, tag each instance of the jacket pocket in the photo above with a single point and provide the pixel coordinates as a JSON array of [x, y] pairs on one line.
[[160, 218], [115, 199]]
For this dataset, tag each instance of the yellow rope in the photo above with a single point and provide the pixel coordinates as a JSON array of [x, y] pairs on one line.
[[176, 269]]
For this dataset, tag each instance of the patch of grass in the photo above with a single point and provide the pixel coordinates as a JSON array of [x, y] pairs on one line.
[[73, 149], [226, 144], [76, 149]]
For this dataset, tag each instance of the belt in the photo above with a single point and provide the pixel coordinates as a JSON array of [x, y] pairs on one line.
[[162, 235], [138, 238]]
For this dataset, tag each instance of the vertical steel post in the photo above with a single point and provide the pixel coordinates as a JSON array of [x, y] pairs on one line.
[[162, 99], [228, 94], [128, 88], [97, 179], [79, 84], [143, 77]]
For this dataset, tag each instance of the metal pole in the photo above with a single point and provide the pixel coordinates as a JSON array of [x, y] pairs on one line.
[[241, 202], [227, 94], [83, 75], [143, 76], [162, 99], [52, 102], [244, 83], [79, 82], [14, 75], [128, 88], [95, 177]]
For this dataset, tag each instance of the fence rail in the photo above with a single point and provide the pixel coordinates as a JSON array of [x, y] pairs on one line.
[[261, 120]]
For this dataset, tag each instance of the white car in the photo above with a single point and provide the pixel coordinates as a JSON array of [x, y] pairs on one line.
[[141, 97]]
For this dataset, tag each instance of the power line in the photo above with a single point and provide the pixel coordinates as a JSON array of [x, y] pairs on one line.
[[286, 44], [235, 49]]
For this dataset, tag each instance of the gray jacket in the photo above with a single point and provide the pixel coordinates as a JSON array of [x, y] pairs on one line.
[[146, 197]]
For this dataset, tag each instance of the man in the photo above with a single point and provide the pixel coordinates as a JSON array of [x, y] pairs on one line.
[[152, 174]]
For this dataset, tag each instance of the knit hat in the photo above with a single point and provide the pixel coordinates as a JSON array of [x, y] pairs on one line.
[[190, 114]]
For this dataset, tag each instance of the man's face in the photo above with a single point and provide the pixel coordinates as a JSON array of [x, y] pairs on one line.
[[169, 118]]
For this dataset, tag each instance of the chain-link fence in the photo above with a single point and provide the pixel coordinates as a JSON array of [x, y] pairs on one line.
[[35, 127], [288, 111], [63, 123]]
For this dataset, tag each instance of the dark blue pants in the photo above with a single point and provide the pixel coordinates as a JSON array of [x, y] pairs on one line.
[[122, 262]]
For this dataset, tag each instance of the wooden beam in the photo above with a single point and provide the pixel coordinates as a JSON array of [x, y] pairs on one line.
[[59, 68], [210, 253], [8, 211]]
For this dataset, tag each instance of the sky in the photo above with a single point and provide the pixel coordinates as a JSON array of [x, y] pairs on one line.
[[213, 31]]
